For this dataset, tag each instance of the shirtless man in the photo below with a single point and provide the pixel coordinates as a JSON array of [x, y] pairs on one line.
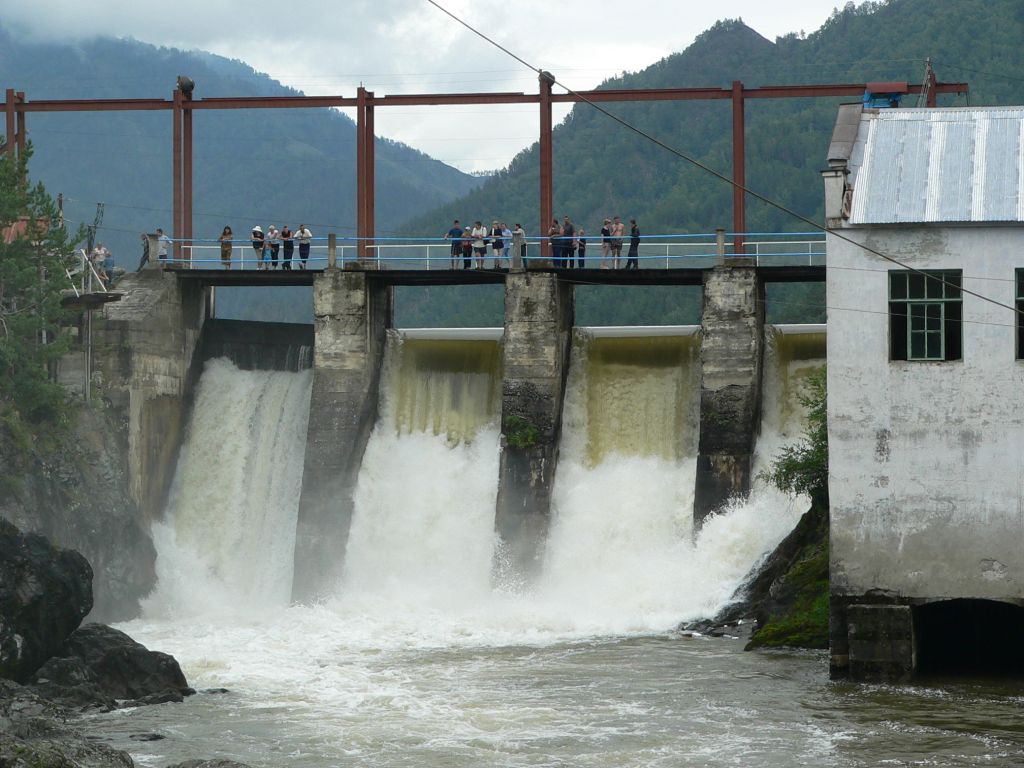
[[615, 245]]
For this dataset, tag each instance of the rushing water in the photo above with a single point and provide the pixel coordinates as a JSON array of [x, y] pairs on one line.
[[419, 661]]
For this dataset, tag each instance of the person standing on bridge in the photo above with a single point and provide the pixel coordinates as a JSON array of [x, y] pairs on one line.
[[304, 236], [163, 243], [506, 236], [555, 241], [288, 241], [615, 244], [274, 240], [497, 244], [479, 244], [455, 235], [581, 248], [606, 239], [633, 262], [467, 248], [518, 246], [568, 242], [258, 241], [225, 247]]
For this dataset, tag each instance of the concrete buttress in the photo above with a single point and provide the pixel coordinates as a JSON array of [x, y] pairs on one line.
[[538, 329], [352, 313], [732, 345]]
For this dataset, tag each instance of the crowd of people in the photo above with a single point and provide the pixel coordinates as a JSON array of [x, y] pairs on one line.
[[470, 244], [271, 248]]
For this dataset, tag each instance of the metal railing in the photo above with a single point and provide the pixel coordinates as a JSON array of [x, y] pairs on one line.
[[675, 251]]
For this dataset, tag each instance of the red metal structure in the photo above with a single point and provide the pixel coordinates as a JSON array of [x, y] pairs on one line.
[[182, 107]]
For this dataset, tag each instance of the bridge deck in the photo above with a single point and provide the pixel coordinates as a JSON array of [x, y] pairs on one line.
[[688, 276]]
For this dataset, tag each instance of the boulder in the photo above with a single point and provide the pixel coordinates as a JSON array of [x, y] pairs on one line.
[[209, 764], [99, 664], [45, 592], [33, 734]]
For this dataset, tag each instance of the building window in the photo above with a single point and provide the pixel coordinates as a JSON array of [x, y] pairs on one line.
[[1020, 314], [925, 312]]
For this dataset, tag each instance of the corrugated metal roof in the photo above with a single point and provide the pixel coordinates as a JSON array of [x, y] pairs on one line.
[[938, 165]]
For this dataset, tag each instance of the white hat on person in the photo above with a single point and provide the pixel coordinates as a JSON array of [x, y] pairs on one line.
[[257, 228]]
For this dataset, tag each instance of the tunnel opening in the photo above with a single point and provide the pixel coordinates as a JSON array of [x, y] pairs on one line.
[[970, 637]]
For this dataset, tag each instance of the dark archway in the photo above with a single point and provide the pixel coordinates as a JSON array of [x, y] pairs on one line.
[[970, 637]]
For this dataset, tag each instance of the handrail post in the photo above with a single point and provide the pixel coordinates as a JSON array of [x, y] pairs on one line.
[[720, 246], [332, 251]]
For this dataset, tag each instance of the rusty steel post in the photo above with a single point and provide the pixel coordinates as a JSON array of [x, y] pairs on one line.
[[546, 167], [20, 129], [931, 99], [177, 228], [186, 181], [369, 196], [739, 170], [361, 173], [9, 110]]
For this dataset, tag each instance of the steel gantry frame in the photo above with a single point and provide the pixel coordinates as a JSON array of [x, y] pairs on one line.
[[182, 106]]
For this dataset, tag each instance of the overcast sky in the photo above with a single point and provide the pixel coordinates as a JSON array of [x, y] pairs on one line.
[[409, 46]]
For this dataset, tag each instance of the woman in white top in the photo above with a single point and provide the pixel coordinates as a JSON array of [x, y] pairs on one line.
[[479, 243]]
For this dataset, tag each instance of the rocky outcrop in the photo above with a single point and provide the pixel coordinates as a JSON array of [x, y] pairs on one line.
[[100, 667], [34, 734], [786, 595], [45, 592], [77, 495]]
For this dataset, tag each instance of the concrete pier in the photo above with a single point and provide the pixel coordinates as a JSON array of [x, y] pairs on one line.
[[351, 316], [539, 312], [732, 329]]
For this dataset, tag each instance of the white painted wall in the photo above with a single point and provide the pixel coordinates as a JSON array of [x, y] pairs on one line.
[[926, 459]]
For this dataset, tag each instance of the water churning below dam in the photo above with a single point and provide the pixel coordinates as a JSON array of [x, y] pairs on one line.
[[421, 656]]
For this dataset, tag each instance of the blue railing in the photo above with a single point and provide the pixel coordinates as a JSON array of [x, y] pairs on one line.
[[660, 251]]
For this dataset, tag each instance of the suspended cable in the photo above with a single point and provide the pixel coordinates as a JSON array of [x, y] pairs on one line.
[[717, 174]]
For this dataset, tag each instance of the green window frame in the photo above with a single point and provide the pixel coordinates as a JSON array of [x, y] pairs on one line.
[[925, 315], [1020, 313]]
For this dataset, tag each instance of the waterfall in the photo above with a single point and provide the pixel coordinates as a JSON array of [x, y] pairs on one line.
[[228, 537], [422, 532]]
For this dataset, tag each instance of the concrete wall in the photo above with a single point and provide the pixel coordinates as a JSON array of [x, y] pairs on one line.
[[538, 327], [144, 357], [352, 314], [732, 348], [926, 458], [257, 346]]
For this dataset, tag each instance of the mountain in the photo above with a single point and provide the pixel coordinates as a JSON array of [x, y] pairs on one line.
[[602, 169], [251, 166]]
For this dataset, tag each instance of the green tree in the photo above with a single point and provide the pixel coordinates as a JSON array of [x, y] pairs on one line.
[[803, 467], [35, 251]]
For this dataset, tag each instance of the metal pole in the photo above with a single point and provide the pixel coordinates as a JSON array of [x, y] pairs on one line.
[[21, 136], [360, 173], [369, 197], [186, 228], [546, 167], [9, 134], [739, 171], [177, 227]]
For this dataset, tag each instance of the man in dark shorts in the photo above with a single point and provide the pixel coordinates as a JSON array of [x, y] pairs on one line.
[[568, 243], [455, 235]]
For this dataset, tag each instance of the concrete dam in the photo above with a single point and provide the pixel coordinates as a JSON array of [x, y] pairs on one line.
[[353, 457]]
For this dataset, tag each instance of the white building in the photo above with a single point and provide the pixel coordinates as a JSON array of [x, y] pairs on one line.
[[925, 285]]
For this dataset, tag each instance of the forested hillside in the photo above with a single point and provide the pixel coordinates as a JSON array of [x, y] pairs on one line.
[[602, 169]]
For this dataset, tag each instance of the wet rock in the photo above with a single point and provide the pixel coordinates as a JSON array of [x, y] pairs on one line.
[[209, 764], [146, 737], [100, 668], [45, 592], [33, 734], [215, 690]]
